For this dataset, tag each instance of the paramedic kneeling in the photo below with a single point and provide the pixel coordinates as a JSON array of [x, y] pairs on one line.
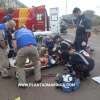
[[81, 63], [26, 45]]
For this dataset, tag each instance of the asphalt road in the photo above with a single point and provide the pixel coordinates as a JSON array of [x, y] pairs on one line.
[[89, 90]]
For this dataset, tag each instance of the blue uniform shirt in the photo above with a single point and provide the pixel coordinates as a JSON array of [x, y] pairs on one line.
[[24, 37], [3, 27]]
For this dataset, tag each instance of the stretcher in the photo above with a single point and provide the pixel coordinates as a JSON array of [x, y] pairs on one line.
[[28, 64]]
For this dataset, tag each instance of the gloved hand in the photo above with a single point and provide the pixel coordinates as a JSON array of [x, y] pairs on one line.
[[83, 43]]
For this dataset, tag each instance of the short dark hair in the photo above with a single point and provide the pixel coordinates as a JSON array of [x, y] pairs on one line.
[[76, 10], [57, 37]]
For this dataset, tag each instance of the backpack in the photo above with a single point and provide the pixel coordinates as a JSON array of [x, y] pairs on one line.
[[67, 82]]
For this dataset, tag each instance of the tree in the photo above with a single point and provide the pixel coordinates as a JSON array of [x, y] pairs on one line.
[[96, 20], [89, 13], [2, 3]]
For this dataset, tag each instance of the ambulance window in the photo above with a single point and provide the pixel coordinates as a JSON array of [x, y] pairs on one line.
[[39, 17], [54, 17]]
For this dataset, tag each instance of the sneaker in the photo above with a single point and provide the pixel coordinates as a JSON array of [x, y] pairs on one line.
[[6, 73]]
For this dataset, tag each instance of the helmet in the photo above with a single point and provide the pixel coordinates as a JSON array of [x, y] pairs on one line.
[[7, 18]]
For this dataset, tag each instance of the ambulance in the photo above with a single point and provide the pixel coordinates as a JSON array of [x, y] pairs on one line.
[[34, 18]]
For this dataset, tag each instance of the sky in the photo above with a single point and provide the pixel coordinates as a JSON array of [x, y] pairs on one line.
[[66, 6]]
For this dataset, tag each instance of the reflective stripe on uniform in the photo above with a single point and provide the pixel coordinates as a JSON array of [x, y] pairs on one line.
[[83, 58], [88, 30]]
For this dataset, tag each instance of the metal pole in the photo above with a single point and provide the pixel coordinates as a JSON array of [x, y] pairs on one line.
[[66, 6], [16, 3]]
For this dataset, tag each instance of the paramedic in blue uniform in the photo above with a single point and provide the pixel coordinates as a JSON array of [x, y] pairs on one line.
[[8, 36], [27, 48], [4, 62], [83, 30]]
